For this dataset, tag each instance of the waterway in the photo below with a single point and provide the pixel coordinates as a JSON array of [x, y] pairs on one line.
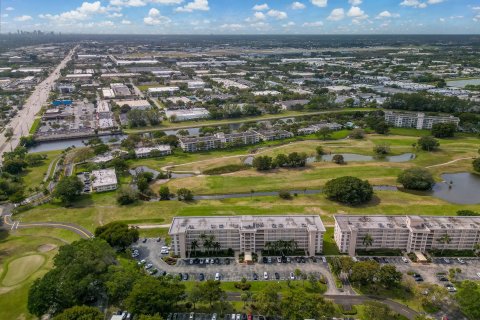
[[460, 188], [463, 83]]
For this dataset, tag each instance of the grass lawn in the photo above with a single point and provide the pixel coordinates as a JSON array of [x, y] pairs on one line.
[[35, 126], [25, 256], [100, 209], [329, 245], [33, 176]]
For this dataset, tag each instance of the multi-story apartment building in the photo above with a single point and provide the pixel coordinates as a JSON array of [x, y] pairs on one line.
[[145, 152], [104, 180], [408, 233], [221, 140], [247, 233], [417, 120]]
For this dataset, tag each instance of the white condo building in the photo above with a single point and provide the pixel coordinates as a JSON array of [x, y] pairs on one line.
[[247, 233], [104, 180], [417, 120], [407, 233]]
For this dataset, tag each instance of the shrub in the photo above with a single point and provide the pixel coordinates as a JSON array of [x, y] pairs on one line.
[[443, 130], [262, 163], [285, 195], [357, 133], [381, 149], [416, 179], [225, 169], [476, 164], [428, 143], [184, 194], [320, 151], [126, 195], [467, 213], [338, 159], [348, 190]]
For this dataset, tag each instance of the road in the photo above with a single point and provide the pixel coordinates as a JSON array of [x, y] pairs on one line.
[[9, 224], [22, 123]]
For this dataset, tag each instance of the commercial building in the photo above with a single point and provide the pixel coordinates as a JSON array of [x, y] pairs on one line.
[[247, 233], [162, 90], [417, 120], [135, 104], [407, 233], [195, 85], [65, 87], [120, 90], [187, 114], [104, 180], [145, 152]]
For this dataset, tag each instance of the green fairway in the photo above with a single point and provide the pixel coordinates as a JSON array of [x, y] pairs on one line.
[[33, 177], [25, 257]]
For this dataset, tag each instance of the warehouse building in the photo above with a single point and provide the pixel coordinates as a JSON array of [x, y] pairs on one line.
[[407, 233], [247, 234]]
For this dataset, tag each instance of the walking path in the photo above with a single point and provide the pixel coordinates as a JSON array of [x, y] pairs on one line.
[[449, 162], [9, 224]]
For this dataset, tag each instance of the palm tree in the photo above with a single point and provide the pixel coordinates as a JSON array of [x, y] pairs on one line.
[[194, 246], [216, 246], [367, 240], [203, 236], [268, 246], [445, 240]]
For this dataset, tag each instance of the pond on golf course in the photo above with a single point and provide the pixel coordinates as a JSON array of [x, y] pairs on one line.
[[460, 188]]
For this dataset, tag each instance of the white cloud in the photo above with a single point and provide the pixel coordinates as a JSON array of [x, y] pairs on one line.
[[357, 13], [84, 12], [201, 5], [413, 3], [9, 9], [279, 15], [313, 24], [231, 26], [297, 6], [260, 7], [128, 3], [355, 2], [23, 18], [434, 1], [384, 14], [115, 15], [166, 2], [154, 18], [442, 19], [320, 3], [126, 22], [259, 15], [288, 24], [337, 14]]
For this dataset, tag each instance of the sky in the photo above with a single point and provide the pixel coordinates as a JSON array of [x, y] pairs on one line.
[[242, 16]]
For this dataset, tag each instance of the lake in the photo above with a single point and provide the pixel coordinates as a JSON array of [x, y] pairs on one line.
[[460, 188], [463, 83]]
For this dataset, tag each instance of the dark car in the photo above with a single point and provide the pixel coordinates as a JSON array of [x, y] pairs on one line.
[[159, 239], [227, 261], [264, 260], [217, 261], [244, 316], [144, 240], [255, 276], [298, 259], [185, 276], [284, 259], [277, 276], [303, 260], [314, 259], [201, 277]]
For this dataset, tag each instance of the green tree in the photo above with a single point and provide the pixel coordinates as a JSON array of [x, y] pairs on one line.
[[267, 301], [120, 280], [476, 164], [364, 272], [388, 276], [80, 313], [194, 246], [14, 166], [324, 133], [320, 151], [164, 193], [467, 213], [211, 291], [381, 149], [348, 190], [184, 194], [367, 240], [151, 295], [444, 240], [262, 163], [357, 134], [338, 159], [297, 304], [281, 160], [428, 143], [374, 310], [117, 234], [76, 277], [416, 179], [150, 317], [468, 296], [443, 130], [126, 195], [195, 295], [68, 189]]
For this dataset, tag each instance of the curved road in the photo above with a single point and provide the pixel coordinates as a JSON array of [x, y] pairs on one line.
[[10, 224]]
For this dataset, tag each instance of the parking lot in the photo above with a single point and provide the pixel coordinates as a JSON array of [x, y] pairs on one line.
[[273, 269]]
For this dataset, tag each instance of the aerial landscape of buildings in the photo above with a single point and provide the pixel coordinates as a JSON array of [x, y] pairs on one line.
[[169, 159]]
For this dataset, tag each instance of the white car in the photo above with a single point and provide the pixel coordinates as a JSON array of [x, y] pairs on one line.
[[292, 276], [148, 266], [164, 251], [461, 261], [217, 276], [478, 274], [404, 259], [265, 275]]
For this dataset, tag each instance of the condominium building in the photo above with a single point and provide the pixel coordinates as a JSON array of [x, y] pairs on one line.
[[246, 233], [145, 152], [104, 180], [407, 233], [417, 120]]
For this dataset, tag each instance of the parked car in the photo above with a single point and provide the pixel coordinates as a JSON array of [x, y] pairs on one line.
[[214, 316], [192, 316], [148, 266], [461, 261], [201, 277], [264, 260], [185, 276], [478, 274], [159, 239], [255, 276], [227, 261], [144, 240], [265, 275], [279, 259], [217, 276], [404, 259], [269, 259], [446, 260], [277, 276], [292, 276]]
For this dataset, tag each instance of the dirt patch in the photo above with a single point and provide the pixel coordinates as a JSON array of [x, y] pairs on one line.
[[46, 247]]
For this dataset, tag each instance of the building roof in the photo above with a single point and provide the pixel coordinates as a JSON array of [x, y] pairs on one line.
[[104, 177], [183, 224], [144, 150]]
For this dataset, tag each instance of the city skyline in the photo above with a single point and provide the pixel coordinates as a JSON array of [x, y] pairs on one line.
[[243, 17]]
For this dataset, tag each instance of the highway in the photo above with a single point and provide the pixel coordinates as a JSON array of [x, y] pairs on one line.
[[23, 121]]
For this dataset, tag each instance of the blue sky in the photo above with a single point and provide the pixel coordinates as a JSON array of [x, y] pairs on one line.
[[242, 16]]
